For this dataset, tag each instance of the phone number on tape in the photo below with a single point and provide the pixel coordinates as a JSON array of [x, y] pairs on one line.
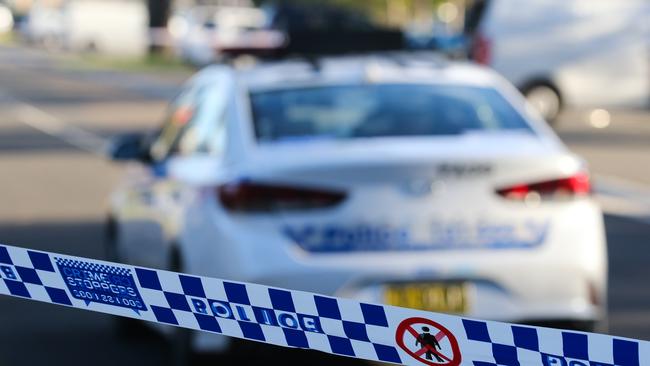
[[104, 284]]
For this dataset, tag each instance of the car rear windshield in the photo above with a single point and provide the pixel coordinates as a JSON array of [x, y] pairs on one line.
[[366, 111]]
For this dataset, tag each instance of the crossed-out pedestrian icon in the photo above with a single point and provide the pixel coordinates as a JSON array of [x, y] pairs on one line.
[[428, 342]]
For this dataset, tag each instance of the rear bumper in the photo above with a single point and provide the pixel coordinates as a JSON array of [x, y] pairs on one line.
[[562, 282], [518, 291], [563, 279]]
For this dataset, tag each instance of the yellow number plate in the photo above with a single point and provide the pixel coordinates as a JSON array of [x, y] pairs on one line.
[[437, 297]]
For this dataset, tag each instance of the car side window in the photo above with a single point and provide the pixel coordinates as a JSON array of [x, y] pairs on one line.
[[196, 122], [182, 111], [207, 132]]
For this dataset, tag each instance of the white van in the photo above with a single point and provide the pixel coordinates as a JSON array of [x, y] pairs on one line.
[[587, 53], [109, 27]]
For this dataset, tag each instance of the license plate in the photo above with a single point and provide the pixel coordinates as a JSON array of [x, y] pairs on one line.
[[449, 298]]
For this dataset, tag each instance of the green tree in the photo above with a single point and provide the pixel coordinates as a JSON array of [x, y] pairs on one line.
[[394, 12]]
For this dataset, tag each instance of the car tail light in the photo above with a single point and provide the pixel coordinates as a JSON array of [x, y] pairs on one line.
[[577, 185], [258, 197], [482, 49]]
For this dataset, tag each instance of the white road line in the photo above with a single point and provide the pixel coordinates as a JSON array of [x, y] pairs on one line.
[[55, 127]]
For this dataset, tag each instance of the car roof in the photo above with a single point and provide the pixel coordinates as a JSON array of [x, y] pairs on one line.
[[387, 68]]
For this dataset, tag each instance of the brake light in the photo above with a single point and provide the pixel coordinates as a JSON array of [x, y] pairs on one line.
[[258, 197], [482, 49], [577, 185]]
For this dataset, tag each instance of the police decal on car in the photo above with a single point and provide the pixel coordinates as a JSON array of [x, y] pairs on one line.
[[438, 235]]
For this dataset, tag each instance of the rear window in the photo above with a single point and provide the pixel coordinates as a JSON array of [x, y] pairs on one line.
[[366, 111]]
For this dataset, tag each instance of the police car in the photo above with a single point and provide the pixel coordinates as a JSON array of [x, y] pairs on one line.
[[388, 178]]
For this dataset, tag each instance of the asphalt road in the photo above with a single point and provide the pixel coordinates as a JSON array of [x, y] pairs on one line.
[[54, 185]]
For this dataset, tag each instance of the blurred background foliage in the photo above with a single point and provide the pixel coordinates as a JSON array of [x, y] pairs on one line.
[[388, 12]]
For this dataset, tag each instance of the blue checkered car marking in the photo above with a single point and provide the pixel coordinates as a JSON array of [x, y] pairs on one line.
[[104, 284]]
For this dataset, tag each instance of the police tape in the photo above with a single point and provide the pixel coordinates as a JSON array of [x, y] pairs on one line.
[[301, 319]]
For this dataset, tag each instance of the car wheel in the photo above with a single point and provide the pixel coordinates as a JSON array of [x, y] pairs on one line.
[[181, 353], [546, 100], [110, 241]]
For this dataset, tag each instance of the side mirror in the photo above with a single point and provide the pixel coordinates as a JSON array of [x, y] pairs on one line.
[[128, 147]]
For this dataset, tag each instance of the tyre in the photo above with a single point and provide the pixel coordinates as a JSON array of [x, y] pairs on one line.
[[546, 100], [181, 353]]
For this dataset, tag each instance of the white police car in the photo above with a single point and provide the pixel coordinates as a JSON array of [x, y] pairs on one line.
[[387, 178]]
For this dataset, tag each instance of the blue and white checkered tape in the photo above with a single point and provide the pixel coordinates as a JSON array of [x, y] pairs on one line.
[[301, 319]]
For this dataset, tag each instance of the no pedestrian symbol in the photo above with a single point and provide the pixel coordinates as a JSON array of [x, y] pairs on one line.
[[428, 342]]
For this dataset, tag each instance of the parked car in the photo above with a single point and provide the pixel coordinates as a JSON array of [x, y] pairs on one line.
[[402, 179], [587, 53]]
